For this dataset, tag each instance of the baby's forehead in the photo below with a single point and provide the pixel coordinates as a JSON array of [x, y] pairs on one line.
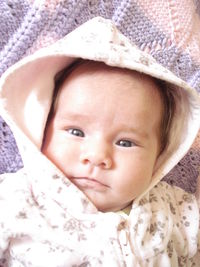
[[88, 76], [93, 73], [90, 68]]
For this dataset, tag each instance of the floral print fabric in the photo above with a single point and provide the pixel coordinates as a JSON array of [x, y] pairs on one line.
[[49, 222]]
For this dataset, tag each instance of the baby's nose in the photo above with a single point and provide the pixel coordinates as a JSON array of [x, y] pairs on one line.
[[97, 154]]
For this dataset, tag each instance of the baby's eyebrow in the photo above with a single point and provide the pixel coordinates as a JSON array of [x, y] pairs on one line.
[[74, 116], [137, 131], [71, 117]]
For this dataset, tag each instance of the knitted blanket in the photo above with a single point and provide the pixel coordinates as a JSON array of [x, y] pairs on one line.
[[168, 30]]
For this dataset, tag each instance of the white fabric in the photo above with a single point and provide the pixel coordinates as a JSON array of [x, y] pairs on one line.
[[45, 220], [48, 222]]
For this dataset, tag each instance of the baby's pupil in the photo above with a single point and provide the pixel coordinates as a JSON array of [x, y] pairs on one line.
[[125, 143], [77, 132]]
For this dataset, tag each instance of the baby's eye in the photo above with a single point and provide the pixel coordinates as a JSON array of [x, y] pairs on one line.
[[76, 132], [125, 143]]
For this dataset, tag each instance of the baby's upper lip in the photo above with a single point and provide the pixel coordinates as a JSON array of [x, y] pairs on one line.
[[89, 178]]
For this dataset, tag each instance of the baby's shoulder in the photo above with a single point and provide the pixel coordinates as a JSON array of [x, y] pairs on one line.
[[173, 193], [181, 205]]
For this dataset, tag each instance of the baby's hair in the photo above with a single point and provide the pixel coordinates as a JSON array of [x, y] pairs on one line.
[[59, 79], [166, 92], [168, 95]]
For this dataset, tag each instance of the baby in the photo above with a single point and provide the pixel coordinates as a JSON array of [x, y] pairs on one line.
[[106, 128], [108, 132]]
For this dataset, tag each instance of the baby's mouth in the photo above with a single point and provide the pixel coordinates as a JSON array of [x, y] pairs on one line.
[[87, 182]]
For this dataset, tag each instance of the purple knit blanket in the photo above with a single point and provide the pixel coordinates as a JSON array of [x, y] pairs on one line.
[[168, 30]]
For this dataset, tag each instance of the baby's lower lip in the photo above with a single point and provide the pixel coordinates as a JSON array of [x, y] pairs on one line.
[[85, 182]]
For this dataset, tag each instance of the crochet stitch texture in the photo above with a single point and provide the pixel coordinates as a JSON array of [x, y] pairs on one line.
[[168, 30]]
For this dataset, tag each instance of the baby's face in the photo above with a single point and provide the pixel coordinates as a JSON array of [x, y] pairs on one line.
[[104, 134]]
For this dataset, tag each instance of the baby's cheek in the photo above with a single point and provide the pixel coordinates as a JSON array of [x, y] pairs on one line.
[[137, 176], [70, 154]]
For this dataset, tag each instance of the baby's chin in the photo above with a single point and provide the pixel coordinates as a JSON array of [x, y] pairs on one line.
[[105, 202], [112, 208], [103, 207]]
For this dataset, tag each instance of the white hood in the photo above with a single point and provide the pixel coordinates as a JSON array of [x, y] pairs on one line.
[[26, 88]]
